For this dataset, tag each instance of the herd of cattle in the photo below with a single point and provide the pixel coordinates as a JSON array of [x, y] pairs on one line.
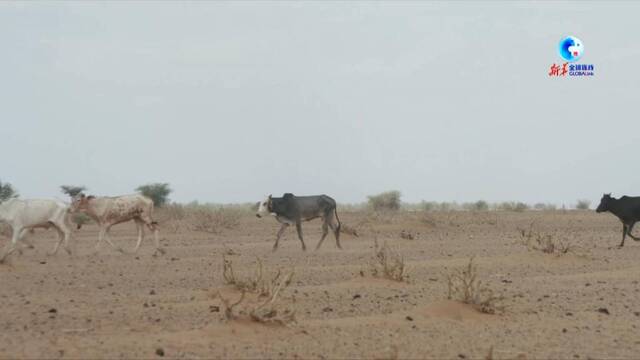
[[24, 215]]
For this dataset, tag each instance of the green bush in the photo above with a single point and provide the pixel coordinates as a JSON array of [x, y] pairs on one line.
[[386, 201], [72, 190], [513, 206], [7, 191], [479, 205], [583, 204], [158, 192], [543, 206]]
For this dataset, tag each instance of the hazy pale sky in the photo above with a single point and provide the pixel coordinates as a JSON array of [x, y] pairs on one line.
[[229, 102]]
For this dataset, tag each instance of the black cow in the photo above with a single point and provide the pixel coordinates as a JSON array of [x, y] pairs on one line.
[[290, 209], [627, 209]]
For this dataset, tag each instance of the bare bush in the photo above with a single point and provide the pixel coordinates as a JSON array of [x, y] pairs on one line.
[[408, 235], [268, 311], [257, 283], [388, 263], [228, 306], [207, 219], [464, 286], [386, 201], [344, 228], [172, 217], [547, 243]]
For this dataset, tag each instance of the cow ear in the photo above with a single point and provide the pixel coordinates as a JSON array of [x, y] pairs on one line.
[[81, 195], [287, 196]]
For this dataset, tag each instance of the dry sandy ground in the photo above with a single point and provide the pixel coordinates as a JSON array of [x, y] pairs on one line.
[[114, 305]]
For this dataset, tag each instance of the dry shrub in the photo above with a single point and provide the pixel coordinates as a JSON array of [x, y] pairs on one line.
[[546, 242], [257, 283], [388, 263], [428, 220], [408, 235], [464, 286], [386, 201], [348, 230], [210, 220], [172, 217], [176, 218], [268, 311], [228, 306]]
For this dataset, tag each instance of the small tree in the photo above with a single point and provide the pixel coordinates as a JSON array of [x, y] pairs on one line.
[[72, 190], [583, 204], [389, 200], [7, 191], [158, 192]]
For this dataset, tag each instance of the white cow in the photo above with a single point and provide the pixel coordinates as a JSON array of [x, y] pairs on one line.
[[109, 211], [23, 215]]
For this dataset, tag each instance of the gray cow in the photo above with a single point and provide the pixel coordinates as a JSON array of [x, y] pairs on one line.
[[291, 209]]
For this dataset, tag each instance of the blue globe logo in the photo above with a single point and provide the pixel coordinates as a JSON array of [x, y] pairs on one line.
[[571, 48]]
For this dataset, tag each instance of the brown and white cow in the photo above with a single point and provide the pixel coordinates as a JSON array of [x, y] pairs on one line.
[[109, 211]]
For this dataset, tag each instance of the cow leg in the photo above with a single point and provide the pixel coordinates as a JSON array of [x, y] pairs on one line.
[[140, 226], [108, 240], [100, 237], [60, 238], [325, 231], [11, 247], [335, 226], [66, 234], [299, 229], [25, 240], [629, 231], [279, 235], [104, 236], [153, 226], [624, 234]]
